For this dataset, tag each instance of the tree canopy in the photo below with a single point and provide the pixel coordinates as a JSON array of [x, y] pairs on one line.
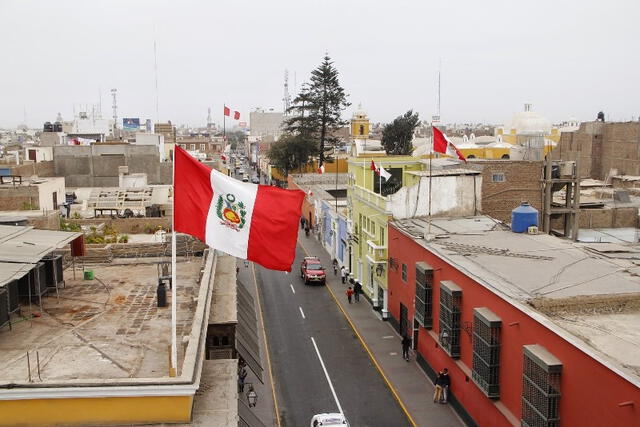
[[397, 136], [291, 152]]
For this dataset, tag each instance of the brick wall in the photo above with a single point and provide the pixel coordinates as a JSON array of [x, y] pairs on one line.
[[522, 182], [42, 169], [16, 198], [127, 225], [623, 217]]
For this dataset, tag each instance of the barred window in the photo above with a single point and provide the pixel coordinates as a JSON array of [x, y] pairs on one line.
[[450, 305], [486, 351], [424, 290], [540, 387], [404, 272]]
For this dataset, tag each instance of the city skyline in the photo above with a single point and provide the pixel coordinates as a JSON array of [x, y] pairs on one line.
[[495, 57]]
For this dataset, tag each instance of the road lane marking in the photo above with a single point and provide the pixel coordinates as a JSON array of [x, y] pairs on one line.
[[292, 290], [366, 348], [387, 337], [266, 347], [327, 375], [302, 312]]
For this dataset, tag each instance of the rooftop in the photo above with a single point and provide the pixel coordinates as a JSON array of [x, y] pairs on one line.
[[108, 328], [589, 291]]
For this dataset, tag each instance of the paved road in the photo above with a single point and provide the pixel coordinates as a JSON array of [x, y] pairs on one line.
[[294, 314]]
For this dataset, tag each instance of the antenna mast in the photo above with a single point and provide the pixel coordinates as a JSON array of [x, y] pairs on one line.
[[155, 71], [439, 71], [115, 110], [287, 98], [209, 121]]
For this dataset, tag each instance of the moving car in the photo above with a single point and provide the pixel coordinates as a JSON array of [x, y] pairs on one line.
[[312, 271], [329, 420]]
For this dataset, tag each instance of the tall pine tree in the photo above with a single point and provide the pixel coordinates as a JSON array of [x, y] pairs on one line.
[[316, 111]]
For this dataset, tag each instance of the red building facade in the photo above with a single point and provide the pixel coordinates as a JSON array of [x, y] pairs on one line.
[[528, 350]]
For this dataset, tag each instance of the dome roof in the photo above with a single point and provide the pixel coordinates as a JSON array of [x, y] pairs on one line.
[[530, 122]]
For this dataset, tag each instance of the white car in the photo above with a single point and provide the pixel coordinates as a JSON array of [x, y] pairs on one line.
[[334, 419]]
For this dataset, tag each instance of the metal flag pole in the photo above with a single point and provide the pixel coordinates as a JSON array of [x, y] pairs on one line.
[[173, 369], [430, 157]]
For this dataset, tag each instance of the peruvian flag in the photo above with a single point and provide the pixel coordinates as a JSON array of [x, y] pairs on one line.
[[321, 168], [380, 171], [223, 157], [254, 222], [236, 115], [227, 111], [441, 144]]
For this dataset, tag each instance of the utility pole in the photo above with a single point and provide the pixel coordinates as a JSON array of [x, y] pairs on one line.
[[287, 98], [115, 111]]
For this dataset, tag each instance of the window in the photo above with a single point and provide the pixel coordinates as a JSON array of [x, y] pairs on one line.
[[381, 236], [450, 304], [203, 147], [486, 351], [404, 272], [498, 177], [193, 146], [540, 387], [424, 291]]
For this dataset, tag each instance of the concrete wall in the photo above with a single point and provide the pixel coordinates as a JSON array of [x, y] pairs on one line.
[[452, 195], [607, 217], [97, 165], [47, 189], [16, 198], [42, 169], [127, 225]]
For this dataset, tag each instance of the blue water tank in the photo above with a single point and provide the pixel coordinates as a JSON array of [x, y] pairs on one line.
[[523, 217]]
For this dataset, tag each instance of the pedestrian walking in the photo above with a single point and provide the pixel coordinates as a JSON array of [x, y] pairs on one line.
[[406, 344], [306, 230], [445, 383], [343, 274], [335, 267], [302, 221], [349, 294], [357, 290], [242, 375], [437, 394]]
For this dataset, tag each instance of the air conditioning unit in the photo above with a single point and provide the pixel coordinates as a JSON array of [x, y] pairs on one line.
[[532, 230]]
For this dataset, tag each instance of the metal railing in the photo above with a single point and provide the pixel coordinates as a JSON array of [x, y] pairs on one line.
[[374, 199]]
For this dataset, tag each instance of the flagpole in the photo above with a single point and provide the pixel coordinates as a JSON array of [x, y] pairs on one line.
[[174, 283], [224, 125], [430, 157]]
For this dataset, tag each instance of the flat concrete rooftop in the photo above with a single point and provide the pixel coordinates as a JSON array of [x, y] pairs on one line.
[[524, 266], [589, 293], [101, 329]]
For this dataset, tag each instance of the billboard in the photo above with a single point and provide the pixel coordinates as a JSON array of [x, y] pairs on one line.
[[131, 124]]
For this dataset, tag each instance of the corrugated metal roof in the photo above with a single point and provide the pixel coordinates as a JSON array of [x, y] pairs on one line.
[[27, 245], [12, 271]]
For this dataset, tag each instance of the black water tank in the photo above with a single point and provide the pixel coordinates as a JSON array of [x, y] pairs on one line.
[[48, 127], [57, 127]]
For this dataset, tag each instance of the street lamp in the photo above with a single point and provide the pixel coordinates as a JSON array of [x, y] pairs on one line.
[[252, 397]]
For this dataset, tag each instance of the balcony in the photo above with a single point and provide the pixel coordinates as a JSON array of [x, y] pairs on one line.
[[374, 200], [376, 253]]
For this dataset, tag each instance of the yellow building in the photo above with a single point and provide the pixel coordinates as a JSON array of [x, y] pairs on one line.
[[369, 212], [360, 124]]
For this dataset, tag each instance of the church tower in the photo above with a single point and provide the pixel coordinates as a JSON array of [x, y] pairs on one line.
[[360, 124]]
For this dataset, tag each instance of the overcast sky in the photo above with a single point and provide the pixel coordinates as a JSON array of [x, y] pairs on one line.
[[567, 58]]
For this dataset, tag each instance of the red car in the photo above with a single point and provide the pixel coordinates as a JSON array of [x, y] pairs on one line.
[[312, 271]]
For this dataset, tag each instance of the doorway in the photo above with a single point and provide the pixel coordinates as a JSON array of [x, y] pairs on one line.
[[416, 329], [403, 320]]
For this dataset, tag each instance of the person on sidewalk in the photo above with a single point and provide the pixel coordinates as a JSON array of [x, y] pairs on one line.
[[349, 294], [406, 344], [335, 267], [437, 394], [343, 274], [303, 220], [445, 382], [357, 290]]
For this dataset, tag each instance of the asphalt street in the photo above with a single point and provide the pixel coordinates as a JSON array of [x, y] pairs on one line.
[[304, 326]]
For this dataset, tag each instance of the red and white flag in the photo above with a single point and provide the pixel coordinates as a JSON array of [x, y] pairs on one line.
[[321, 168], [380, 171], [254, 222], [236, 115], [223, 157], [441, 144], [227, 111]]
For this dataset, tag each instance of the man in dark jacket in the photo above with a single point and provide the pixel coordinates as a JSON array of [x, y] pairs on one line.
[[406, 343], [445, 382], [357, 289]]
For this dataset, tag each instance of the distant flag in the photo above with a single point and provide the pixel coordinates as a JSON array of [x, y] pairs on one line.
[[223, 157], [227, 111], [236, 115], [380, 171], [441, 144], [321, 168]]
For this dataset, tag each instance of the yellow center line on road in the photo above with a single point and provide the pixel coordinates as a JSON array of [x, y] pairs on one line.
[[364, 345], [266, 346]]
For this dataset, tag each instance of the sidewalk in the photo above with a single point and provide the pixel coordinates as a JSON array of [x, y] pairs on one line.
[[407, 381]]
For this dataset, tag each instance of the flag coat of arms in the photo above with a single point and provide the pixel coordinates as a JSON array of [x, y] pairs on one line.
[[248, 221]]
